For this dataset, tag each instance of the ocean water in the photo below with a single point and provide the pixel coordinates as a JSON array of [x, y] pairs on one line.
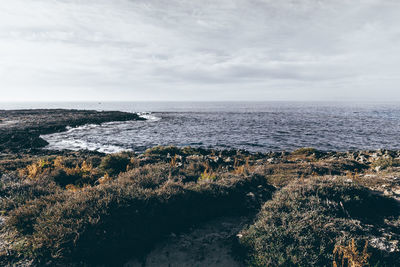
[[253, 126]]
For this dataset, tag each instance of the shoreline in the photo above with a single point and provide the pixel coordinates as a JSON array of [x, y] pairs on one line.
[[20, 130]]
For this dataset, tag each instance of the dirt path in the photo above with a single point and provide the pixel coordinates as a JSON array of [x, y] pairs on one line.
[[209, 244]]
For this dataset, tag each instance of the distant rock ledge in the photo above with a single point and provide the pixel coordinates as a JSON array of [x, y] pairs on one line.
[[20, 130]]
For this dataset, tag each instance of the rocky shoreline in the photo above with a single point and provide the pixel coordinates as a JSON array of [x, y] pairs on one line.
[[20, 130]]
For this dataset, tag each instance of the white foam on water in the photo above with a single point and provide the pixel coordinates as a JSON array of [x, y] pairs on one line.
[[84, 137], [148, 116], [76, 145]]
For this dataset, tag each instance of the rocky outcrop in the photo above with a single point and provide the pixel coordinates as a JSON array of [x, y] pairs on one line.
[[20, 130]]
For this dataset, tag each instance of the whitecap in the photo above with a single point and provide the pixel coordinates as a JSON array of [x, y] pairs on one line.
[[148, 116], [78, 144]]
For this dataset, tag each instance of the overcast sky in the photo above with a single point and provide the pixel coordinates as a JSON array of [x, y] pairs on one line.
[[199, 50]]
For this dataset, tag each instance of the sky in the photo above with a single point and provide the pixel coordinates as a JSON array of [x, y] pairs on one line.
[[199, 50]]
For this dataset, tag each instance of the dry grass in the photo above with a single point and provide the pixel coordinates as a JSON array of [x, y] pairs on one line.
[[208, 174], [350, 256], [385, 163], [241, 169], [62, 171]]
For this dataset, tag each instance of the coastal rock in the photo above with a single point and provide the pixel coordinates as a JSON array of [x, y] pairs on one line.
[[362, 159], [383, 244], [28, 125], [271, 160]]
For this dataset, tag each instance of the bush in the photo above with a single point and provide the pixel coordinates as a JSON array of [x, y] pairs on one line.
[[385, 163], [15, 194], [163, 151], [62, 170], [308, 151], [304, 222], [115, 163], [125, 216]]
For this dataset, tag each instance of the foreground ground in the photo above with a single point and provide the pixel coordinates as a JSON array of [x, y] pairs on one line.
[[125, 208], [194, 207]]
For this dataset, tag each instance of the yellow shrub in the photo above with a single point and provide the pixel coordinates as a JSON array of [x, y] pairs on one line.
[[133, 163], [58, 162], [32, 171], [208, 173], [58, 170], [241, 169], [105, 179], [350, 256], [173, 161], [86, 167]]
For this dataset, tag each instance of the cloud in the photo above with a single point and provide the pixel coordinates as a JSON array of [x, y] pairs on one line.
[[180, 49]]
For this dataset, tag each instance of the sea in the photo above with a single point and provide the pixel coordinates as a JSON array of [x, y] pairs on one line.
[[251, 126]]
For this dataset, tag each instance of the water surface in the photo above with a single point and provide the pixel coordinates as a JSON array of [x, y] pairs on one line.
[[254, 126]]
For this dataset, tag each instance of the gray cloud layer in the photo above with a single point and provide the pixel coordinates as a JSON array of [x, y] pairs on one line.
[[199, 50]]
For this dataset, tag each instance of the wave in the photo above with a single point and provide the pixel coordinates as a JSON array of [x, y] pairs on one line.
[[79, 144], [148, 116], [91, 136], [83, 127]]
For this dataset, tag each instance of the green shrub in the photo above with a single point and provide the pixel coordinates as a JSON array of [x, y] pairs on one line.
[[163, 151], [304, 221], [307, 151], [385, 163], [115, 163], [63, 179], [16, 193]]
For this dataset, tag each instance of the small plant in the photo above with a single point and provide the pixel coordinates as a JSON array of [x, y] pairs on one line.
[[162, 150], [59, 162], [61, 171], [207, 174], [114, 164], [352, 175], [305, 151], [72, 188], [241, 169], [32, 171], [133, 163], [384, 163], [173, 161], [86, 167], [105, 179], [350, 256]]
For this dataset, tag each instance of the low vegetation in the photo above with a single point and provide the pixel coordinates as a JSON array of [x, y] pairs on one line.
[[385, 163], [97, 208], [310, 223], [82, 208]]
